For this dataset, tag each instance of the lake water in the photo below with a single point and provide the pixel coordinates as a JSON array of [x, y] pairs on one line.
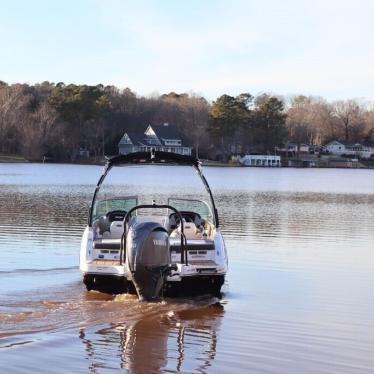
[[299, 295]]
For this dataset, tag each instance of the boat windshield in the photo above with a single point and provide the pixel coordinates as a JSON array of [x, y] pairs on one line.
[[102, 207], [177, 186], [196, 206]]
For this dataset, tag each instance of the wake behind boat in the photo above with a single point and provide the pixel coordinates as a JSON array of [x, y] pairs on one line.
[[154, 249]]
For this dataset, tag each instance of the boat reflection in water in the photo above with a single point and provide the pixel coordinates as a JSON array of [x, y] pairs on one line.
[[185, 340]]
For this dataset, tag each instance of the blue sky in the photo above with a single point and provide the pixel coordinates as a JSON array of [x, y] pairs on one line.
[[209, 47]]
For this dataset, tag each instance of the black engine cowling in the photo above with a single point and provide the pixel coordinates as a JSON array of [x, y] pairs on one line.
[[148, 256]]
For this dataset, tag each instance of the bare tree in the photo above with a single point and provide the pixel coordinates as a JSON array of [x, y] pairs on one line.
[[188, 112], [312, 120], [14, 109], [300, 120], [350, 115], [37, 132]]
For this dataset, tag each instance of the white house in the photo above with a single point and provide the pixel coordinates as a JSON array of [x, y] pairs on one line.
[[349, 149], [304, 148], [288, 148], [160, 138], [336, 148]]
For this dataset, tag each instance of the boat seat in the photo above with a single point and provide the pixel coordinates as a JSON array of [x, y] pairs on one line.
[[192, 245], [107, 244], [116, 229], [190, 231], [175, 245]]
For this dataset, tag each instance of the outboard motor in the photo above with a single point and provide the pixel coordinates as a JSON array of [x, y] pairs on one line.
[[148, 256]]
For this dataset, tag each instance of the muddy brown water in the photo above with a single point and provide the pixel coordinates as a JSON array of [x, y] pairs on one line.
[[299, 295]]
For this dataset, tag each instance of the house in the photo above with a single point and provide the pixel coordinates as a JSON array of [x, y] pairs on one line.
[[130, 142], [315, 149], [304, 148], [158, 137], [340, 148], [336, 148], [287, 149]]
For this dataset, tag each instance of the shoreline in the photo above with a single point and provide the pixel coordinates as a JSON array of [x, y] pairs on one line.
[[205, 163], [12, 159]]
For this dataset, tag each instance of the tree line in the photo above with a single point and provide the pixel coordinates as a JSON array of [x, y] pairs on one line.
[[60, 119]]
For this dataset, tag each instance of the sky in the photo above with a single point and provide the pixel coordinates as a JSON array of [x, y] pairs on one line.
[[210, 47]]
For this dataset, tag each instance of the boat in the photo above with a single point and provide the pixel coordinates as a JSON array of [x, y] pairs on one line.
[[153, 249]]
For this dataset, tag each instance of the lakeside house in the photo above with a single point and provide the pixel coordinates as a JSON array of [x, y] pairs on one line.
[[163, 137], [340, 148], [287, 149], [293, 148]]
